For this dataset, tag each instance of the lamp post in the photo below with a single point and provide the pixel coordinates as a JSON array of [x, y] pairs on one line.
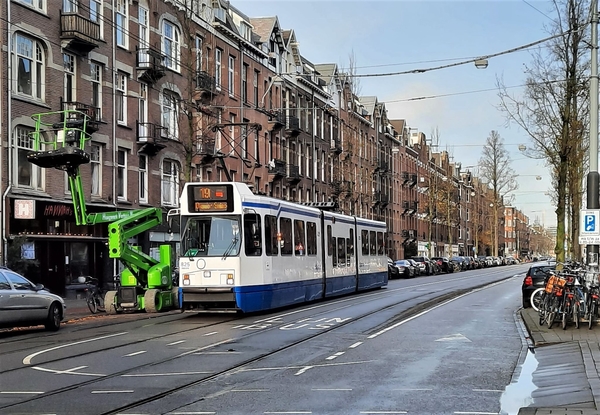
[[593, 178]]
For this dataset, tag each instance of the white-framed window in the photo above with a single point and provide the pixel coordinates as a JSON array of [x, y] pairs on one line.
[[28, 174], [96, 167], [122, 174], [121, 99], [230, 77], [171, 45], [144, 35], [218, 57], [170, 114], [36, 4], [29, 66], [308, 161], [143, 110], [69, 87], [244, 83], [122, 23], [69, 6], [169, 182], [218, 133], [96, 71], [198, 56], [96, 13], [143, 178], [244, 141]]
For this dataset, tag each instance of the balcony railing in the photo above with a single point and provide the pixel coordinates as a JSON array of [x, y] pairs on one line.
[[277, 167], [336, 146], [293, 174], [84, 34], [206, 146], [205, 82], [151, 64], [276, 120], [292, 126], [93, 114]]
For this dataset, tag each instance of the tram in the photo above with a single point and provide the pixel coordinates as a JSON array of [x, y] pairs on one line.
[[248, 253]]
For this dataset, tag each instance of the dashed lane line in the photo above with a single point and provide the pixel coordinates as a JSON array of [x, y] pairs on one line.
[[355, 345], [332, 389], [135, 353], [111, 391], [211, 333], [20, 393], [335, 355], [177, 342]]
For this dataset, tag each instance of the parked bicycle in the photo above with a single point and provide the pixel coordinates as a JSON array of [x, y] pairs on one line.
[[94, 295]]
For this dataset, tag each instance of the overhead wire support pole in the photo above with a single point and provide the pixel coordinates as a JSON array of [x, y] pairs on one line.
[[593, 181]]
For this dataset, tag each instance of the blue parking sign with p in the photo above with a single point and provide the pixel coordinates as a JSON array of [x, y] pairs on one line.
[[590, 223]]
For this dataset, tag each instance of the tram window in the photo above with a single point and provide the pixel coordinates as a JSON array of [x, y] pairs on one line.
[[285, 227], [330, 241], [373, 243], [299, 238], [311, 238], [271, 246], [348, 255], [341, 249], [335, 257], [252, 234], [351, 243], [380, 246], [365, 242]]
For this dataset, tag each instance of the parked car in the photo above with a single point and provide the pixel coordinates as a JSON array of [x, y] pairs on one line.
[[423, 264], [23, 303], [535, 278], [392, 270], [405, 268], [443, 264], [419, 267]]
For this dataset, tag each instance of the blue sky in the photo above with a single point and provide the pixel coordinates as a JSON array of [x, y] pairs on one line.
[[397, 35]]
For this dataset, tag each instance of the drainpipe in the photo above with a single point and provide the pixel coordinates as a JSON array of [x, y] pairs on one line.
[[242, 108], [8, 131], [114, 122], [315, 126]]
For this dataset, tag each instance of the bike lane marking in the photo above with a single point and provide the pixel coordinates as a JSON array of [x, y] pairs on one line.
[[27, 359]]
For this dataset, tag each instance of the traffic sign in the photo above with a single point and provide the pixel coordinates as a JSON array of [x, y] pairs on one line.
[[589, 240], [589, 223]]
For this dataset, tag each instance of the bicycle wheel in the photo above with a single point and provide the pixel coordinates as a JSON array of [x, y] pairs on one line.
[[536, 298], [576, 314], [99, 301], [91, 302], [592, 315]]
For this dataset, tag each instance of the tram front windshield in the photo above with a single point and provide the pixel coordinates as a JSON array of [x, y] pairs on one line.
[[211, 236]]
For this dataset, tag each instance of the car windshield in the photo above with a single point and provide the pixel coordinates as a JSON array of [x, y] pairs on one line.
[[211, 236]]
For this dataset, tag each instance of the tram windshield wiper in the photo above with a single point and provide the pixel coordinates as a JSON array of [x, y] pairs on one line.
[[232, 245]]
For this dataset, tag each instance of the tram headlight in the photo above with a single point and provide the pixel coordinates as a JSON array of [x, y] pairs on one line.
[[186, 279], [229, 279], [206, 274]]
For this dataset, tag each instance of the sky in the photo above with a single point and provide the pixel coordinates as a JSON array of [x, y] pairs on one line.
[[398, 35]]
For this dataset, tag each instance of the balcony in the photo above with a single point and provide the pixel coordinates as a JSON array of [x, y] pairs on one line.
[[336, 146], [381, 199], [150, 135], [206, 148], [293, 174], [277, 168], [150, 65], [383, 167], [413, 180], [82, 33], [292, 128], [205, 86], [276, 120], [76, 119]]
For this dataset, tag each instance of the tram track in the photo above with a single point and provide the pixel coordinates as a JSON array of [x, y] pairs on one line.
[[366, 298]]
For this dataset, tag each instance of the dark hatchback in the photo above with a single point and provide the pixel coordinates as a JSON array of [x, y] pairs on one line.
[[534, 279]]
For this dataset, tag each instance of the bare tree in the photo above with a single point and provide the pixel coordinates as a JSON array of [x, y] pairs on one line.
[[496, 170], [554, 110]]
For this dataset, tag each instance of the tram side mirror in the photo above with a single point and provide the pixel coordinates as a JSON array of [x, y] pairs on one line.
[[170, 214], [255, 231]]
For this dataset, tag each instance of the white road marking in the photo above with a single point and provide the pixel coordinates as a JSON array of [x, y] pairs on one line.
[[325, 389], [123, 391], [218, 353], [211, 333], [413, 389], [454, 337], [304, 369], [27, 359], [249, 390], [476, 413], [352, 346], [177, 342], [67, 372], [141, 375], [335, 355], [288, 412], [135, 353], [20, 393], [487, 390], [257, 369], [383, 412], [191, 413]]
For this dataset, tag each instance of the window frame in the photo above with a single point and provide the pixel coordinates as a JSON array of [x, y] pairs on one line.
[[231, 75], [37, 65], [121, 98], [121, 24], [122, 174], [96, 71], [173, 181], [143, 178], [36, 174], [96, 164], [170, 114], [97, 14], [173, 56], [218, 68], [69, 77]]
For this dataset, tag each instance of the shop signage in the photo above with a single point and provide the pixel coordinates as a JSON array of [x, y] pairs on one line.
[[24, 209]]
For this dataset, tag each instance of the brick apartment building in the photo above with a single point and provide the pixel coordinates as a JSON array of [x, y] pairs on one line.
[[197, 91]]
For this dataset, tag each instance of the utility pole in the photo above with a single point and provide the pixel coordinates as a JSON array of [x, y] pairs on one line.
[[593, 178]]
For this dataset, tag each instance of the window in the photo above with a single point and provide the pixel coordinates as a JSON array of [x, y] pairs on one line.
[[198, 53], [170, 115], [299, 238], [380, 244], [170, 183], [218, 56], [311, 238], [96, 166], [143, 178], [252, 235], [244, 141], [28, 175], [245, 83], [121, 23], [255, 86], [364, 239], [230, 71], [285, 229], [330, 241], [96, 78], [143, 110], [351, 243], [144, 35], [171, 45], [121, 99], [69, 6], [271, 241], [96, 14], [29, 66], [122, 174], [37, 4], [69, 89], [4, 285], [341, 252], [18, 282], [373, 243]]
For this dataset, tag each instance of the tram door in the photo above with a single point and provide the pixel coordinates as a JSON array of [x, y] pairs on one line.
[[253, 250]]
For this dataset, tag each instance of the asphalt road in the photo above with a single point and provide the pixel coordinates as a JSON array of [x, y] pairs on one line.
[[413, 347]]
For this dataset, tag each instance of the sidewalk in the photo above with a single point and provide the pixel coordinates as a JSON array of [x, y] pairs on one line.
[[568, 372]]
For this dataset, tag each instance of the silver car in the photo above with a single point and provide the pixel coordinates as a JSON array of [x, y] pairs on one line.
[[23, 303]]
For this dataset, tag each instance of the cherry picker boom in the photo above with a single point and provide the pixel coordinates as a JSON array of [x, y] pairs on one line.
[[59, 141]]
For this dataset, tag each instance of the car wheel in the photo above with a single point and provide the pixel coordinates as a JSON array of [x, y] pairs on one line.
[[54, 317]]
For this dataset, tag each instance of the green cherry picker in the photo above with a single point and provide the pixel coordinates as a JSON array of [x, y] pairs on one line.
[[59, 141]]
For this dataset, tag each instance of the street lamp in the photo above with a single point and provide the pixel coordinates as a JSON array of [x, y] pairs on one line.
[[481, 63]]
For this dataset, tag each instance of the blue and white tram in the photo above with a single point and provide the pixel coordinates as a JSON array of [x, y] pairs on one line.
[[246, 252]]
